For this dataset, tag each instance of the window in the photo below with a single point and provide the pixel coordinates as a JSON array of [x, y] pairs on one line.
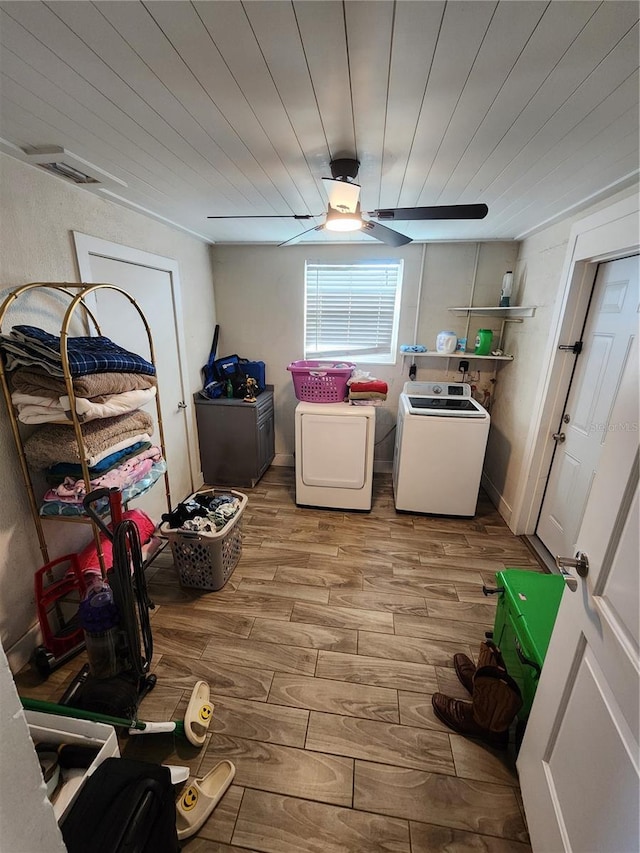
[[352, 310]]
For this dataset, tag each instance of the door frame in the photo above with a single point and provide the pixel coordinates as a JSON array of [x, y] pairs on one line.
[[606, 235], [86, 246]]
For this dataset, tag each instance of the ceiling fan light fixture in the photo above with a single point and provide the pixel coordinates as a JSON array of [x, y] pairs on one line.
[[337, 221]]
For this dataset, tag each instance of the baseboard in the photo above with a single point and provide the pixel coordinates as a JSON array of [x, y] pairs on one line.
[[495, 496], [20, 653], [383, 466], [283, 460], [542, 554]]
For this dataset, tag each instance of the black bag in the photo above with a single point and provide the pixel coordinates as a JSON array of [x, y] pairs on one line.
[[227, 368], [257, 371], [126, 806]]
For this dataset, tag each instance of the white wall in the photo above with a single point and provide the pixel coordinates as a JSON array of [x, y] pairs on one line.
[[260, 306], [38, 214], [537, 281]]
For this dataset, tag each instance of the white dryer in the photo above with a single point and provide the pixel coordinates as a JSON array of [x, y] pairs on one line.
[[334, 455], [441, 438]]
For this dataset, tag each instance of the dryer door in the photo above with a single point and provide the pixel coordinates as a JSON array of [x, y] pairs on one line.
[[334, 450]]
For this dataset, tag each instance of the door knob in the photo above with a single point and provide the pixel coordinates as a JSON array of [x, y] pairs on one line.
[[560, 437], [581, 565], [182, 405]]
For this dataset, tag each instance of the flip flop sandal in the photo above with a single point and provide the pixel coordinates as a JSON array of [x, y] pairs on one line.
[[199, 799], [198, 714]]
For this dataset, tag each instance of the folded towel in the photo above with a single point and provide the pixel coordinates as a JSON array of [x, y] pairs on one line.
[[374, 385], [367, 395]]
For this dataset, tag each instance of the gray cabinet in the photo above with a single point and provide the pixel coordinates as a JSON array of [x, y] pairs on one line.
[[236, 439]]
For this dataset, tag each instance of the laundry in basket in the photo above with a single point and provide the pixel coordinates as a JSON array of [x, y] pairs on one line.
[[205, 556]]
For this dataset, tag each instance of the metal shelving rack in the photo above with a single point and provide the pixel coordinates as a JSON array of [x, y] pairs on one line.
[[77, 294]]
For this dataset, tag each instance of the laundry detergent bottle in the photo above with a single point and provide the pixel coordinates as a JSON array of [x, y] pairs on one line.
[[446, 342], [484, 339]]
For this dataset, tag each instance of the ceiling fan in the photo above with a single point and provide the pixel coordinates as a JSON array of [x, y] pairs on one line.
[[344, 214]]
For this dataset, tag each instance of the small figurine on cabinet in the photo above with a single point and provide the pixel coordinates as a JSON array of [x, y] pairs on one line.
[[252, 388]]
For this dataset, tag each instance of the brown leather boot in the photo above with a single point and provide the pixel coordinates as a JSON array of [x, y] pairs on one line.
[[496, 701], [465, 670], [489, 655], [458, 715], [496, 698]]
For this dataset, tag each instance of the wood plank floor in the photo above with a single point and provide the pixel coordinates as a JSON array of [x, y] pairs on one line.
[[322, 652]]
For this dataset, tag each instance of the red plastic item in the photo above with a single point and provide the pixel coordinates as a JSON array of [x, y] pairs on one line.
[[60, 635], [88, 557]]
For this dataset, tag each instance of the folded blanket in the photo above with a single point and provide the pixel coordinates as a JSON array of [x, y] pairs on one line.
[[97, 386], [30, 345], [41, 410], [373, 385], [58, 472], [53, 443], [61, 508], [121, 477]]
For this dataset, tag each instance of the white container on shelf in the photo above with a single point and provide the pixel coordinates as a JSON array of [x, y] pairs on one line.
[[446, 342]]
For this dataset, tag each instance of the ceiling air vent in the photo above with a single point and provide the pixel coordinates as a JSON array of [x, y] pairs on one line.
[[66, 171], [66, 165]]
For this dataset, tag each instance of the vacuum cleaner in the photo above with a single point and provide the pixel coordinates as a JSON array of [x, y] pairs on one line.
[[114, 614]]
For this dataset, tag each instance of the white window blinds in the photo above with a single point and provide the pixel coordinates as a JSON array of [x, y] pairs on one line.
[[352, 310]]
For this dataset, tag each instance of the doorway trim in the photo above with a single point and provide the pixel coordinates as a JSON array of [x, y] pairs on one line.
[[606, 235], [86, 246]]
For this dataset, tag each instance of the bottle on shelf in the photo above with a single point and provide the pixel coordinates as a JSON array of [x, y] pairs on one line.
[[507, 285], [446, 342], [484, 339]]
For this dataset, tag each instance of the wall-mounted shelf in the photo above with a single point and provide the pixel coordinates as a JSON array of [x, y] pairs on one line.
[[515, 313], [459, 355]]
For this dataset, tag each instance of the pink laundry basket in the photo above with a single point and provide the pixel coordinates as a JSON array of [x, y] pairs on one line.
[[320, 381]]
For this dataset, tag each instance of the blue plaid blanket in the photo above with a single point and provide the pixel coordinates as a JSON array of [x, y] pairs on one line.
[[33, 347]]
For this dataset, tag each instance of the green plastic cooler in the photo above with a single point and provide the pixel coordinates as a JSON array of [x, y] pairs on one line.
[[525, 616]]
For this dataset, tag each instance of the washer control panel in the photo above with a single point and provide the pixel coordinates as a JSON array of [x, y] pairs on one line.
[[437, 389]]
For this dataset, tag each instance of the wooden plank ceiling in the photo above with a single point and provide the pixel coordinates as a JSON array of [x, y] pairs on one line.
[[228, 108]]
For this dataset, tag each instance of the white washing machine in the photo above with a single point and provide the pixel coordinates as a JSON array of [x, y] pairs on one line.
[[334, 455], [441, 438]]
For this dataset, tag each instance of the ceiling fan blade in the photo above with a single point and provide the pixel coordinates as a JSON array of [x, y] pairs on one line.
[[384, 234], [442, 211], [343, 195], [270, 216], [301, 235]]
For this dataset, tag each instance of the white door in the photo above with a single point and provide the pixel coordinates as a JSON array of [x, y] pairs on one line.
[[579, 760], [611, 324], [153, 284]]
